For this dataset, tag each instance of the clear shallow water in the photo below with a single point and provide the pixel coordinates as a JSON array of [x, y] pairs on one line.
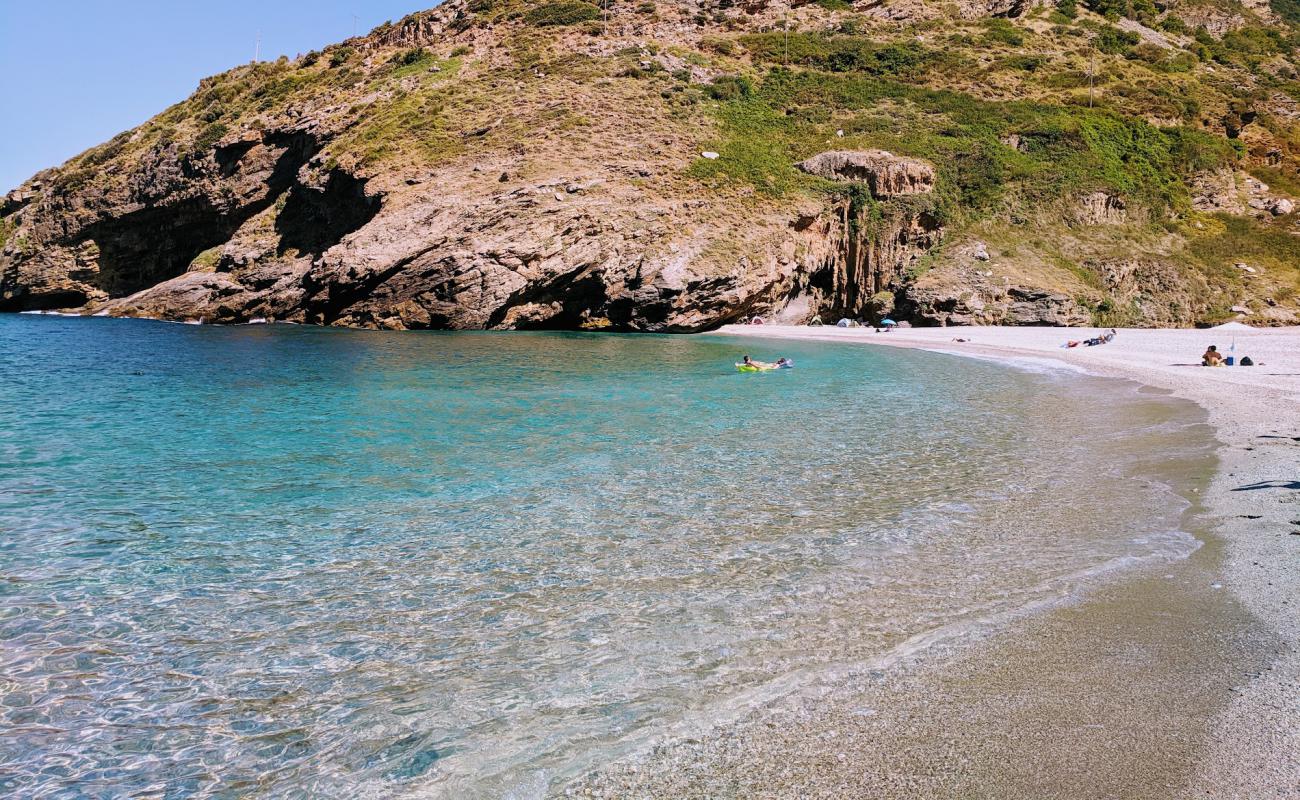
[[292, 562]]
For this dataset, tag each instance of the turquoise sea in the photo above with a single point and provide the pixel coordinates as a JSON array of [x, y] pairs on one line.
[[274, 561]]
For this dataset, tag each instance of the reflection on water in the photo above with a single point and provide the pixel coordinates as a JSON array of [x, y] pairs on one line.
[[282, 562]]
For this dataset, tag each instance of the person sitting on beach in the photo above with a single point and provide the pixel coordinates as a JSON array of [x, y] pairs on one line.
[[1212, 357]]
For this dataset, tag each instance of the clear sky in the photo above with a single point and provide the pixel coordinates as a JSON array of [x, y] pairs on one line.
[[77, 72]]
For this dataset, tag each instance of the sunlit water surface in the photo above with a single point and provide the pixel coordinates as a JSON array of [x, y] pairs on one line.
[[291, 562]]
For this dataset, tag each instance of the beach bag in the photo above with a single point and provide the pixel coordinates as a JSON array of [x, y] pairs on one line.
[[1246, 362]]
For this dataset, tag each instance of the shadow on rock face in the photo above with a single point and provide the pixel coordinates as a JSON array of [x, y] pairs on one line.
[[315, 219]]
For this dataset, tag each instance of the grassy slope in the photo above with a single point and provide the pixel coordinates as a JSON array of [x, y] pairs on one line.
[[1153, 121]]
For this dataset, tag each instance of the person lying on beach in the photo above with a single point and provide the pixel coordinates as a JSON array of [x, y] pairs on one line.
[[1103, 339], [1212, 357]]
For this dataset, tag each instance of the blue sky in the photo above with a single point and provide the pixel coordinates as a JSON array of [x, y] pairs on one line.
[[79, 71]]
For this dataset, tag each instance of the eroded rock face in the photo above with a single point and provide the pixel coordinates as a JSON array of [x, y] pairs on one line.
[[1100, 208], [983, 303], [89, 245], [261, 228], [1155, 292], [1218, 191], [886, 174], [457, 249], [861, 263]]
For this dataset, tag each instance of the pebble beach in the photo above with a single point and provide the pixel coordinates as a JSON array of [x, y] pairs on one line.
[[1179, 682]]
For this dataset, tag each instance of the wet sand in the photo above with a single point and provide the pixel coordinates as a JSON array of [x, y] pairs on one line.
[[1178, 681]]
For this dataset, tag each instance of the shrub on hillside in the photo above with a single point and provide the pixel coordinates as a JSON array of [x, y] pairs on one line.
[[407, 58], [1144, 10], [1158, 58], [1000, 31], [340, 56], [729, 87], [1288, 10], [1115, 41], [1024, 63], [208, 137], [845, 54], [564, 12], [1174, 24]]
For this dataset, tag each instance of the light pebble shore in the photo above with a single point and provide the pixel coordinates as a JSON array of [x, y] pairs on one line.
[[1254, 749], [1159, 686]]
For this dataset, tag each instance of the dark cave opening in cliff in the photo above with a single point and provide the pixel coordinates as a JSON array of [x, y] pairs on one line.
[[156, 243], [152, 245]]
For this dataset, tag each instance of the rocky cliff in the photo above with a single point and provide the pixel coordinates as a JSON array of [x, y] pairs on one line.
[[675, 166]]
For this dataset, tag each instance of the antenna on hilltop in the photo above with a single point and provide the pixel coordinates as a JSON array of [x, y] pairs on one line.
[[786, 24], [1092, 72], [356, 22], [257, 47]]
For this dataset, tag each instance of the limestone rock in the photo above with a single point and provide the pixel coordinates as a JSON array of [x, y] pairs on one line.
[[886, 174], [976, 303], [1217, 191], [1156, 292]]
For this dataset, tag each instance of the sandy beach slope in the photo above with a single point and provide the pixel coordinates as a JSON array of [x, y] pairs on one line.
[[1180, 682], [1253, 750]]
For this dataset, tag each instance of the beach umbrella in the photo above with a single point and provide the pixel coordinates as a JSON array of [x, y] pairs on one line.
[[888, 322]]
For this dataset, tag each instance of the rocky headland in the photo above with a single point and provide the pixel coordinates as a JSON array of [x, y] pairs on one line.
[[674, 167]]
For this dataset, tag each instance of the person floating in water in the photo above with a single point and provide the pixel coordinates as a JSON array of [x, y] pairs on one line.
[[780, 363]]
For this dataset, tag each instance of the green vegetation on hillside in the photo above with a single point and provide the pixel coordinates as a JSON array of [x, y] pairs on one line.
[[564, 12], [1059, 152]]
